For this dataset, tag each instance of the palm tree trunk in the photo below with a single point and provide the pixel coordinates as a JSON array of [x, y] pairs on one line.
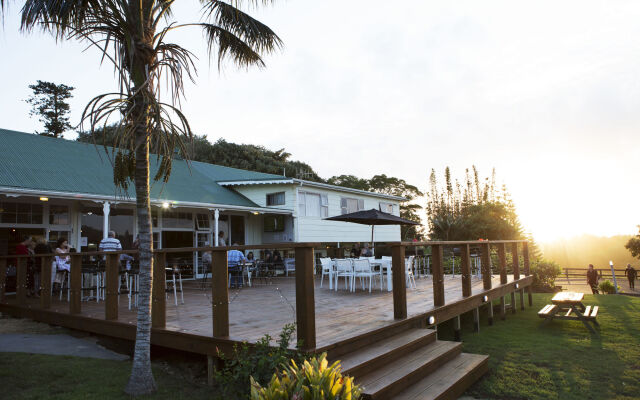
[[141, 380]]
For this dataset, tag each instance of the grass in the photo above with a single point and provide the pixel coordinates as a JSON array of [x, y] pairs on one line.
[[561, 360]]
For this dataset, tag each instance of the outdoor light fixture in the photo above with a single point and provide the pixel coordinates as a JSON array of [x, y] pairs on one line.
[[44, 199], [485, 299], [255, 213], [165, 205], [517, 285], [432, 320]]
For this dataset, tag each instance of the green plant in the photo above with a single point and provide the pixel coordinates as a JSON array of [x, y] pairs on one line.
[[257, 363], [544, 274], [607, 286], [314, 380]]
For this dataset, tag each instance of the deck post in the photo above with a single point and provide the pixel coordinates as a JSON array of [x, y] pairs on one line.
[[21, 281], [513, 302], [456, 329], [76, 284], [503, 308], [502, 258], [486, 265], [45, 281], [158, 295], [399, 282], [490, 312], [438, 275], [3, 278], [465, 266], [476, 319], [220, 293], [112, 281], [527, 269], [305, 298], [516, 271]]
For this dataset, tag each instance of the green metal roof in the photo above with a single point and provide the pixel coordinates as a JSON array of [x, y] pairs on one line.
[[29, 161]]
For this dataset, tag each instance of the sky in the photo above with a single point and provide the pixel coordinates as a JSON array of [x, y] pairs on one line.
[[546, 92]]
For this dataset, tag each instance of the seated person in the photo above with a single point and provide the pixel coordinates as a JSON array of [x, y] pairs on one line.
[[234, 258], [250, 257], [366, 252], [277, 258], [355, 251]]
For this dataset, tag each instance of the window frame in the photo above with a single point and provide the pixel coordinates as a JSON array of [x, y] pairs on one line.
[[323, 204], [276, 196], [344, 205]]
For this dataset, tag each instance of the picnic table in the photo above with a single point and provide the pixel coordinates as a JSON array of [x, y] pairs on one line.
[[564, 304]]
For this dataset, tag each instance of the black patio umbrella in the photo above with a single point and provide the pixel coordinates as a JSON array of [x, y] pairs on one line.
[[372, 217]]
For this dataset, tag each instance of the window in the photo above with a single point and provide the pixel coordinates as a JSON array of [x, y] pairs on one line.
[[59, 215], [275, 199], [172, 219], [20, 213], [386, 207], [202, 222], [154, 218], [55, 235], [313, 205], [274, 223], [348, 205]]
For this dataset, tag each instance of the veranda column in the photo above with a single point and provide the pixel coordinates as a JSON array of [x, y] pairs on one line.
[[159, 300], [106, 207], [399, 284], [216, 218], [220, 293], [305, 298]]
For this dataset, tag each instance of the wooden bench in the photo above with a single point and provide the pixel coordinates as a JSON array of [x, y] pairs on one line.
[[547, 310], [591, 314]]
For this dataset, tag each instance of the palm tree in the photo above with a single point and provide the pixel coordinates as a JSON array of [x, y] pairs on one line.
[[134, 37]]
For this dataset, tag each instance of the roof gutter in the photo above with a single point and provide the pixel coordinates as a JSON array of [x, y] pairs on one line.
[[349, 190]]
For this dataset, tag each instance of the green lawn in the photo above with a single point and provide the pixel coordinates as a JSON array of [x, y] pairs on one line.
[[560, 360]]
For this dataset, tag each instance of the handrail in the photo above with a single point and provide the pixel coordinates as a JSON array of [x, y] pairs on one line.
[[454, 242]]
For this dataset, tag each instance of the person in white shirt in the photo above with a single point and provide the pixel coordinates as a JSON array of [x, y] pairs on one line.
[[110, 243]]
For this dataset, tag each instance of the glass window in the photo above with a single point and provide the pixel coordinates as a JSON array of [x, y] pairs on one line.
[[274, 223], [121, 222], [275, 199], [313, 204], [202, 221], [171, 219], [349, 205], [237, 230], [20, 213], [55, 235], [386, 207], [59, 215], [92, 221], [154, 217]]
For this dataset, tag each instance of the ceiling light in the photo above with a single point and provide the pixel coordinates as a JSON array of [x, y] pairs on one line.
[[44, 199], [165, 205]]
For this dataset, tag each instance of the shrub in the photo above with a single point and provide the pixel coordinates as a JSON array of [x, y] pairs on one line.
[[314, 380], [607, 286], [544, 274], [253, 364]]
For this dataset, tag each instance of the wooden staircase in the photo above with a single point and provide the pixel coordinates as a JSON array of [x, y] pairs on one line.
[[409, 364]]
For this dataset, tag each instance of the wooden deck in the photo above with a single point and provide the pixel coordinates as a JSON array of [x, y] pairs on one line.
[[266, 307]]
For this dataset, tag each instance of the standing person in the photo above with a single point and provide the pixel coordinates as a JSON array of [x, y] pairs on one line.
[[631, 274], [592, 279], [221, 241], [234, 258]]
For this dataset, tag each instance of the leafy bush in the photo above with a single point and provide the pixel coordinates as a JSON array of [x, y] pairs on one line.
[[607, 286], [254, 364], [315, 380], [544, 274]]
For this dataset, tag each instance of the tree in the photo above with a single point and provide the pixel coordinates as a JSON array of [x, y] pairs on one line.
[[633, 245], [135, 37], [49, 104]]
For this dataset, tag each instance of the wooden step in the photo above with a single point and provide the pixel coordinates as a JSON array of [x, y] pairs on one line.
[[449, 381], [366, 359], [395, 376]]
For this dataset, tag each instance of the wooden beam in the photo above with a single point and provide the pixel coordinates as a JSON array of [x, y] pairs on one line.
[[516, 260], [513, 302], [502, 258], [465, 264], [399, 282], [476, 319], [76, 284], [305, 298], [158, 295], [45, 281], [112, 283], [456, 329], [527, 268], [3, 278], [437, 270], [503, 307], [21, 281], [486, 265], [490, 312], [220, 293]]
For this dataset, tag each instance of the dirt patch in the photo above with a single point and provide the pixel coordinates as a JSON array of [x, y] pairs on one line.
[[20, 325]]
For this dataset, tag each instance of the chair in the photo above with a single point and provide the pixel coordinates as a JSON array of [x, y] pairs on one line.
[[327, 268], [247, 271], [386, 265], [344, 269], [362, 269], [172, 284], [408, 270], [289, 265]]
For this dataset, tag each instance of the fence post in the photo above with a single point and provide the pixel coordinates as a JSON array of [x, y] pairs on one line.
[[527, 269], [220, 293], [516, 271], [158, 294], [502, 258], [305, 298], [438, 275], [3, 278], [75, 284], [399, 284], [465, 267], [486, 265], [45, 281], [21, 281], [112, 281]]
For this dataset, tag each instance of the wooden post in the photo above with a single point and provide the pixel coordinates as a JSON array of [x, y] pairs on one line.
[[76, 284], [220, 293], [21, 281], [513, 302], [3, 278], [486, 265], [158, 295], [45, 281], [490, 312], [210, 370], [112, 283], [502, 259], [527, 269], [465, 266], [399, 282], [476, 319], [456, 328], [437, 271], [502, 308], [516, 261], [305, 298]]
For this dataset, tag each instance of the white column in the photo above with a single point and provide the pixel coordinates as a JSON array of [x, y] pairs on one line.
[[216, 216], [105, 227]]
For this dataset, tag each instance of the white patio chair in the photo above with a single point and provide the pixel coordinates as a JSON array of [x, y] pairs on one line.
[[174, 283], [408, 270], [386, 266], [344, 269], [327, 268], [362, 269], [289, 265]]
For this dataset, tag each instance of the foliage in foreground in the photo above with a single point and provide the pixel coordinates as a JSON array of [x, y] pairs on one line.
[[314, 380], [544, 274], [257, 364], [608, 287]]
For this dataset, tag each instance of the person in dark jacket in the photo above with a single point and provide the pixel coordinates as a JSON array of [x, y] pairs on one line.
[[631, 274], [592, 279]]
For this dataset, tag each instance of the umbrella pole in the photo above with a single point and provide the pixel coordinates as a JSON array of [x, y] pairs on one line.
[[372, 226]]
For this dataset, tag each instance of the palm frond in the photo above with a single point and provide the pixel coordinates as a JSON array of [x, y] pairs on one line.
[[229, 45]]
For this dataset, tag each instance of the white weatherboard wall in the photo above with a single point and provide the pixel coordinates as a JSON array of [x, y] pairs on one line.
[[315, 229]]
